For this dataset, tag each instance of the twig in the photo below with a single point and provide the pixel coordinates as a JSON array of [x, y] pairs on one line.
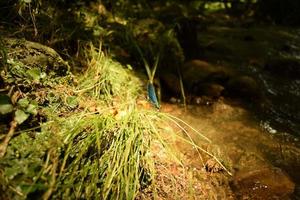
[[11, 132]]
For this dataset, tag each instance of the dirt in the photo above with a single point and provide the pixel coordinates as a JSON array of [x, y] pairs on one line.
[[241, 143]]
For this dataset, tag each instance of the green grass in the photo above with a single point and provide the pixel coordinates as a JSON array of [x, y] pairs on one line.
[[103, 156], [106, 79], [96, 142], [79, 153]]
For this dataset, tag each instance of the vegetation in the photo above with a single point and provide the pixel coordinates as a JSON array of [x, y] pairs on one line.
[[94, 141], [74, 78], [76, 153]]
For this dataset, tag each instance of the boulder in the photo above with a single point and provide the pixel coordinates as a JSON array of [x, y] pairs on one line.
[[198, 71], [244, 87], [213, 90], [264, 183]]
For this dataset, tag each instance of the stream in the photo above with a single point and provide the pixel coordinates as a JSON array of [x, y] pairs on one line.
[[265, 165], [259, 142]]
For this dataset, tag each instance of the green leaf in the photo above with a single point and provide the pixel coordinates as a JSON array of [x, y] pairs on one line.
[[72, 101], [5, 104], [32, 109], [34, 74], [20, 116], [23, 103]]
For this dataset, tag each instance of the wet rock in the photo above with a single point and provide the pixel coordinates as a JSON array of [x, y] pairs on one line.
[[265, 183], [212, 90], [197, 71], [284, 67], [243, 87]]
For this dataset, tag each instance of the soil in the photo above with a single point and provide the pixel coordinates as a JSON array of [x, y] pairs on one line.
[[242, 144]]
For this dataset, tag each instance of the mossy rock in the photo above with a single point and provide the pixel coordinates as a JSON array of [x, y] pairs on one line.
[[35, 55], [199, 78]]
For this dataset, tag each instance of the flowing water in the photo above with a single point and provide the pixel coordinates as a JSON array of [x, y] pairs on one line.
[[272, 57], [265, 163], [260, 144]]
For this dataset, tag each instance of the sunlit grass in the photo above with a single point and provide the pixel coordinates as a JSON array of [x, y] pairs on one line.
[[105, 79], [104, 156], [94, 145], [106, 151]]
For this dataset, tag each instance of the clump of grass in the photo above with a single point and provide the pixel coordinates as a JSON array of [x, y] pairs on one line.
[[103, 156]]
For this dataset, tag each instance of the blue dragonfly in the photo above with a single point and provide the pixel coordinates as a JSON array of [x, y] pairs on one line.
[[151, 73], [152, 95]]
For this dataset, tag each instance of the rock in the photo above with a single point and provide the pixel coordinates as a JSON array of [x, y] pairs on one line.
[[265, 183], [197, 71], [35, 55], [199, 78], [243, 87], [212, 90]]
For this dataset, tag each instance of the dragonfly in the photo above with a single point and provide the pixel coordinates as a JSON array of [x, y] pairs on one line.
[[151, 73], [152, 95]]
